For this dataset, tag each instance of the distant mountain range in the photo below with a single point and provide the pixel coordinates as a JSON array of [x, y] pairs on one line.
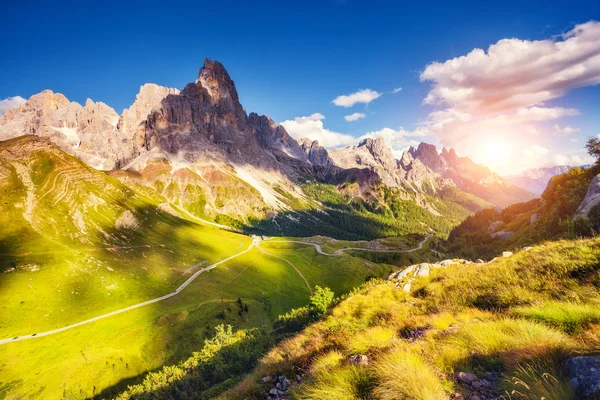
[[535, 180], [199, 151]]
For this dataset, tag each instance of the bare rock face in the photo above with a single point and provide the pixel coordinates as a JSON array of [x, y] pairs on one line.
[[149, 96], [592, 198], [87, 132], [584, 374], [374, 155], [274, 136], [315, 153], [127, 221], [469, 176], [407, 173]]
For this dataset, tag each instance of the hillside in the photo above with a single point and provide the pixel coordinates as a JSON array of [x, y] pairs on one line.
[[489, 232], [506, 327]]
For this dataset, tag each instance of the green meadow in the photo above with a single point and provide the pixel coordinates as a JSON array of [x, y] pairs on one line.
[[101, 358]]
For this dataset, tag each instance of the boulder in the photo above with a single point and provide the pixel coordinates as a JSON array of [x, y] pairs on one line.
[[422, 270], [507, 253], [592, 197], [479, 261], [584, 374], [404, 273], [502, 235], [534, 217], [359, 359], [466, 377], [494, 226]]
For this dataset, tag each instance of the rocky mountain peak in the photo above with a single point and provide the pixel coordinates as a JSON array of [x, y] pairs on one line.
[[379, 151], [374, 144], [315, 153], [428, 155], [149, 96], [215, 80]]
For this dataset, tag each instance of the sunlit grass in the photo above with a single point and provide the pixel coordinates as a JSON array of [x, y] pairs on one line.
[[347, 383], [403, 374], [475, 318], [569, 317]]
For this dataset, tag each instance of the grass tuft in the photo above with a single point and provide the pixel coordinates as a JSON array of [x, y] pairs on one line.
[[403, 374], [569, 317]]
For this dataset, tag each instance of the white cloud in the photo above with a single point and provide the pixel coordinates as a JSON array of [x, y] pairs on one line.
[[501, 94], [11, 102], [574, 160], [397, 90], [517, 73], [395, 139], [311, 127], [567, 130], [354, 117], [536, 114], [362, 96], [535, 151]]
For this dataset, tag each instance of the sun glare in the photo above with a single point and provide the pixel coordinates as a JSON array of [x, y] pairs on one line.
[[496, 154]]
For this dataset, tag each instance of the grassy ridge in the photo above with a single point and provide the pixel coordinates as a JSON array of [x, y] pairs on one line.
[[516, 319]]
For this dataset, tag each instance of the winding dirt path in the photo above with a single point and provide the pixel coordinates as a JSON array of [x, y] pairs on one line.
[[133, 307], [341, 251]]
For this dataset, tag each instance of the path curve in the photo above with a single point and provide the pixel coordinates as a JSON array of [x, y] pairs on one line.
[[291, 265], [133, 307], [340, 251]]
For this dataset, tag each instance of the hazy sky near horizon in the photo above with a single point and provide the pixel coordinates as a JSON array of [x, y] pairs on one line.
[[510, 84]]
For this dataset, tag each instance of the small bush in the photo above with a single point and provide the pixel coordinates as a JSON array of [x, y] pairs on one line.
[[321, 300]]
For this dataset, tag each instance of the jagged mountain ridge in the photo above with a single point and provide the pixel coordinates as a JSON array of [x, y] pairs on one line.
[[199, 149]]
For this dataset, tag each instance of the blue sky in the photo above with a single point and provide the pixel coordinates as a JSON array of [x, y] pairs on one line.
[[291, 59]]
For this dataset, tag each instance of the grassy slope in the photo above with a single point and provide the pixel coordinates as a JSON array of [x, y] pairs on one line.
[[71, 262], [520, 316], [337, 212]]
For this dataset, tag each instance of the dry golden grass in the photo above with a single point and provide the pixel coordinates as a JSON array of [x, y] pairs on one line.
[[508, 316]]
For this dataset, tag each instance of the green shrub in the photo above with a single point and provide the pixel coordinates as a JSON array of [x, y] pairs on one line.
[[321, 300]]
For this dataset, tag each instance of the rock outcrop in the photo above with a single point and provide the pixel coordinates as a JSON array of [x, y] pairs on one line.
[[591, 199], [88, 132], [315, 153], [584, 374]]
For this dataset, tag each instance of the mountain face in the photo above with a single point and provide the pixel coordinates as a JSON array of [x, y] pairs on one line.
[[199, 151], [536, 179], [468, 176], [424, 170]]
